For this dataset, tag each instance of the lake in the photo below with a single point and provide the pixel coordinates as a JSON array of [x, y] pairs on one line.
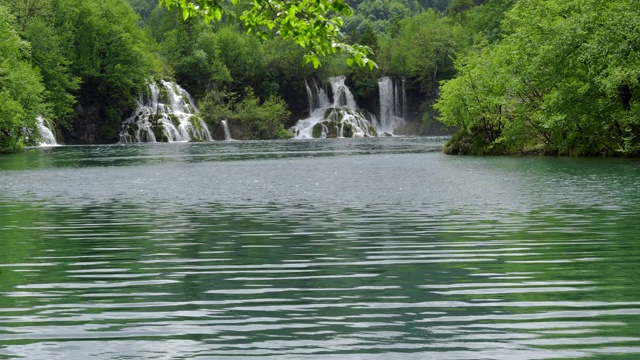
[[324, 249]]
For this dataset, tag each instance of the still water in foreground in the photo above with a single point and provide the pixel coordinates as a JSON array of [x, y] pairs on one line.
[[333, 249]]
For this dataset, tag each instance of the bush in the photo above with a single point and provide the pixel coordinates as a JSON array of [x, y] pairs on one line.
[[261, 120]]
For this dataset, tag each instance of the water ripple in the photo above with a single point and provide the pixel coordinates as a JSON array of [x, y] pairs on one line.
[[379, 249]]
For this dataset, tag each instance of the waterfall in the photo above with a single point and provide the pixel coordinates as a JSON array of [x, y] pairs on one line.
[[393, 99], [225, 127], [339, 117], [404, 100], [342, 96], [166, 114], [317, 97], [46, 135]]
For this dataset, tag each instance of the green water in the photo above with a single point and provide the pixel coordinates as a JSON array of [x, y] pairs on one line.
[[332, 249]]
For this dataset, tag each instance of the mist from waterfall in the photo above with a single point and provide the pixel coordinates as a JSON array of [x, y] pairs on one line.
[[46, 135], [166, 114]]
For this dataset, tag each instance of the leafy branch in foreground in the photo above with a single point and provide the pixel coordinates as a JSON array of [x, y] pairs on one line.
[[312, 24]]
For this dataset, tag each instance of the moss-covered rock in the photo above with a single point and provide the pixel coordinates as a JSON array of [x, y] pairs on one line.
[[164, 96], [372, 131], [333, 129], [347, 130], [316, 131], [174, 120]]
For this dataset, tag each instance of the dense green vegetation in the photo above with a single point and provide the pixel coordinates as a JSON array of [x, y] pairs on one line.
[[20, 87], [82, 64], [543, 76], [77, 63], [563, 79]]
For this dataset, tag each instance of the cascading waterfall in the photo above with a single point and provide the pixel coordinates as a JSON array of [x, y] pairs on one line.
[[317, 96], [393, 99], [225, 128], [342, 96], [46, 135], [338, 118], [166, 114]]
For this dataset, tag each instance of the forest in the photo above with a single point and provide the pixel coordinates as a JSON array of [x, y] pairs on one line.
[[506, 76]]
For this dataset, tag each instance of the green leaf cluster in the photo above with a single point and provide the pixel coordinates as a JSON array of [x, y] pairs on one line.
[[311, 24]]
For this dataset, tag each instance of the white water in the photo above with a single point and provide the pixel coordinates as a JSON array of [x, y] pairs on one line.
[[225, 127], [342, 96], [46, 135], [175, 114], [392, 105], [341, 110], [317, 97]]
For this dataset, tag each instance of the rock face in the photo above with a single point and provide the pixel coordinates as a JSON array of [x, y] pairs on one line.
[[86, 125], [166, 113]]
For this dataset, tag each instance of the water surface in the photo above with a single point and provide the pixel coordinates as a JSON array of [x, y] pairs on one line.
[[325, 249]]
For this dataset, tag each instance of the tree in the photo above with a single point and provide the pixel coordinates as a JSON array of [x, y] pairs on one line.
[[312, 24], [112, 57], [60, 84], [252, 118], [564, 79], [20, 89]]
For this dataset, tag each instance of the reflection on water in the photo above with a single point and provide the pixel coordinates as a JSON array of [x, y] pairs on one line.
[[360, 249]]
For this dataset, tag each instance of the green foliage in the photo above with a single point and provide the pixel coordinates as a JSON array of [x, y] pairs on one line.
[[193, 51], [93, 59], [473, 101], [380, 16], [564, 80], [423, 50], [545, 76], [483, 20], [144, 7], [261, 120], [20, 89], [59, 83], [311, 24], [461, 6], [111, 55]]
